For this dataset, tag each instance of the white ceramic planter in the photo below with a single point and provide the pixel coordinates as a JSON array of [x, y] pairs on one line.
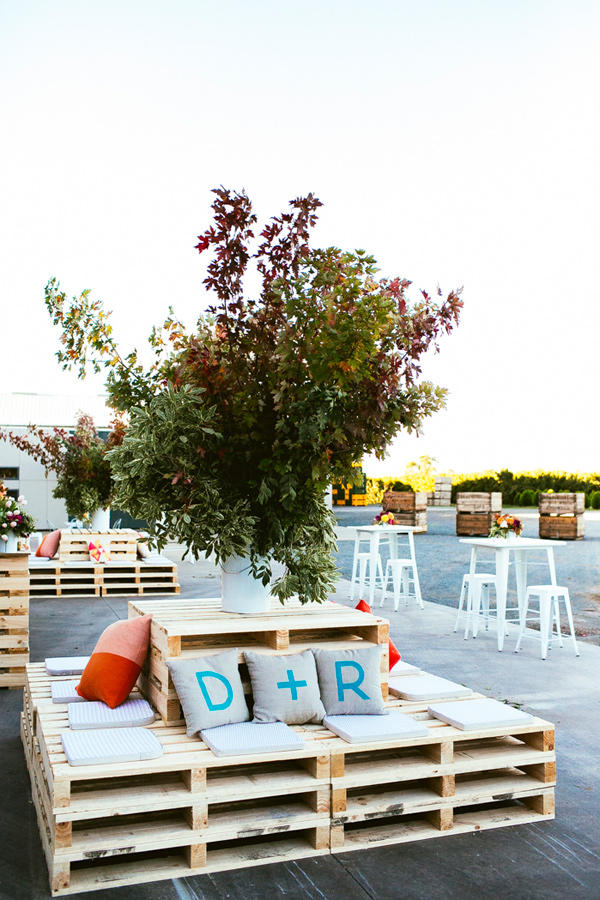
[[100, 520], [11, 545], [241, 592]]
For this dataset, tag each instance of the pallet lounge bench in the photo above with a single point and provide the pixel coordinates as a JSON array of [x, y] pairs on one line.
[[14, 619], [190, 812], [185, 628], [155, 575], [121, 543]]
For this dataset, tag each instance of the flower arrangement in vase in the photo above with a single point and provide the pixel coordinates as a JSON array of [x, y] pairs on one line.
[[384, 518], [239, 425], [15, 522], [505, 525]]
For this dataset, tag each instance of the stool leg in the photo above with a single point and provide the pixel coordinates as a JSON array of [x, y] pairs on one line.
[[461, 601], [385, 582], [570, 620], [405, 585], [522, 623], [417, 585], [397, 579], [362, 577], [485, 600], [372, 576], [544, 623], [353, 579], [475, 608], [556, 607], [469, 609]]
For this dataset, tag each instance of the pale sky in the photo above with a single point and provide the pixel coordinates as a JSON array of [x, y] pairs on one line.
[[456, 141]]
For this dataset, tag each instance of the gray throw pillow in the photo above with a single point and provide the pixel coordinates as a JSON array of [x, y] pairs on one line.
[[285, 688], [350, 681], [210, 690]]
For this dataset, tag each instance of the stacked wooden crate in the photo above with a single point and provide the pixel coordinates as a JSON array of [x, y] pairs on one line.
[[409, 508], [561, 516], [156, 575], [442, 493], [14, 619], [119, 543], [188, 628], [475, 512], [189, 812]]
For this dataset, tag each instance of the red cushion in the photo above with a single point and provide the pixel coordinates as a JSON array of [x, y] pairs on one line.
[[116, 662], [393, 651], [49, 545]]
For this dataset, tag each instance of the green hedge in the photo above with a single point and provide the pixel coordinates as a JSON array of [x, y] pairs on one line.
[[522, 489]]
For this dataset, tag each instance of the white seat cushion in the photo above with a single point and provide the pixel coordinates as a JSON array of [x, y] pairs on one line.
[[404, 668], [484, 713], [355, 729], [251, 737], [107, 745], [66, 665], [96, 714], [64, 692], [426, 687]]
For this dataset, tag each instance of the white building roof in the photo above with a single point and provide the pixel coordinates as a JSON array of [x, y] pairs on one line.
[[17, 410]]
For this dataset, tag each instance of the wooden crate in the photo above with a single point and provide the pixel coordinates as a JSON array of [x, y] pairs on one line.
[[564, 528], [448, 783], [561, 504], [474, 524], [153, 576], [120, 543], [479, 502], [404, 501], [187, 628], [14, 619]]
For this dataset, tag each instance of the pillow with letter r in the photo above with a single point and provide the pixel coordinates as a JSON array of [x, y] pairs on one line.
[[210, 690], [350, 681]]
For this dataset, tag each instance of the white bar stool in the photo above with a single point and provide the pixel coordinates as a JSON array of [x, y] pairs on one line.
[[403, 573], [548, 615], [474, 592], [370, 558]]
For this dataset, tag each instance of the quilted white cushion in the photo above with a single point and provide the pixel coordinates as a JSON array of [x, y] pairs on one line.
[[251, 737], [404, 668], [66, 665], [426, 687], [64, 692], [96, 714], [108, 745], [355, 729], [485, 713]]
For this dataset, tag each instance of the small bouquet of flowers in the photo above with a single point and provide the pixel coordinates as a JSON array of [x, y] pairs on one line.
[[505, 525], [384, 518], [14, 521]]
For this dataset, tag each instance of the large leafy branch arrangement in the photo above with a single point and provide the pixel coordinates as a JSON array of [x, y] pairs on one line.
[[237, 428], [79, 460]]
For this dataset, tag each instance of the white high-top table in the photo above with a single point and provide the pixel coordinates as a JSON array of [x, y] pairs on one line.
[[378, 534], [502, 548]]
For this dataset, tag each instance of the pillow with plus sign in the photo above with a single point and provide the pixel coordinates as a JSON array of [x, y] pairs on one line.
[[350, 681], [285, 688]]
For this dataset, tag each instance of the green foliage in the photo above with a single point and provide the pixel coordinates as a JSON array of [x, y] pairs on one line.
[[512, 485], [595, 499], [238, 428], [527, 498]]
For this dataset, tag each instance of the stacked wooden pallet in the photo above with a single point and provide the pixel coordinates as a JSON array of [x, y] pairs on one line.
[[475, 512], [14, 619], [443, 490], [409, 508], [152, 576], [187, 628], [120, 543], [190, 812], [561, 516]]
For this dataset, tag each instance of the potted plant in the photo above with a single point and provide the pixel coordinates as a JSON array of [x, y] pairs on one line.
[[81, 465], [15, 522], [239, 425]]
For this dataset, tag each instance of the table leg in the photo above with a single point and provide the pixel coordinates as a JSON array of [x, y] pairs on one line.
[[551, 565], [521, 579], [473, 563], [501, 590]]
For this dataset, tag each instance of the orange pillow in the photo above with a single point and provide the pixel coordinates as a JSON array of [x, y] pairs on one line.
[[49, 545], [116, 662], [394, 654]]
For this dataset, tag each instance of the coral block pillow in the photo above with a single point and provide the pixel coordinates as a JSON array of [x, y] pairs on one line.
[[116, 662], [394, 654], [98, 553], [49, 545]]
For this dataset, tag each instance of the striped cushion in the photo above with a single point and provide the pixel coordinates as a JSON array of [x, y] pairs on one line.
[[108, 745], [64, 692], [66, 665], [98, 715], [251, 737], [395, 726]]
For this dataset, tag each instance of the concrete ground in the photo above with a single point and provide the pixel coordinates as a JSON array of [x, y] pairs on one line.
[[559, 859]]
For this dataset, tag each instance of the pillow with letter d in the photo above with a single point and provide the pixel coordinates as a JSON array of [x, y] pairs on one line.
[[350, 681], [210, 690]]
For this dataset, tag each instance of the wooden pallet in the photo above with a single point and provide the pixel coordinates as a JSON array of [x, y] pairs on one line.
[[152, 576], [474, 524], [561, 504], [404, 501], [190, 812], [187, 628], [120, 543], [14, 619], [479, 502], [564, 528]]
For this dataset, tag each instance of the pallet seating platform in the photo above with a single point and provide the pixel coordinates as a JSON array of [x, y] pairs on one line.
[[190, 812], [121, 543], [14, 619], [185, 628], [54, 578]]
